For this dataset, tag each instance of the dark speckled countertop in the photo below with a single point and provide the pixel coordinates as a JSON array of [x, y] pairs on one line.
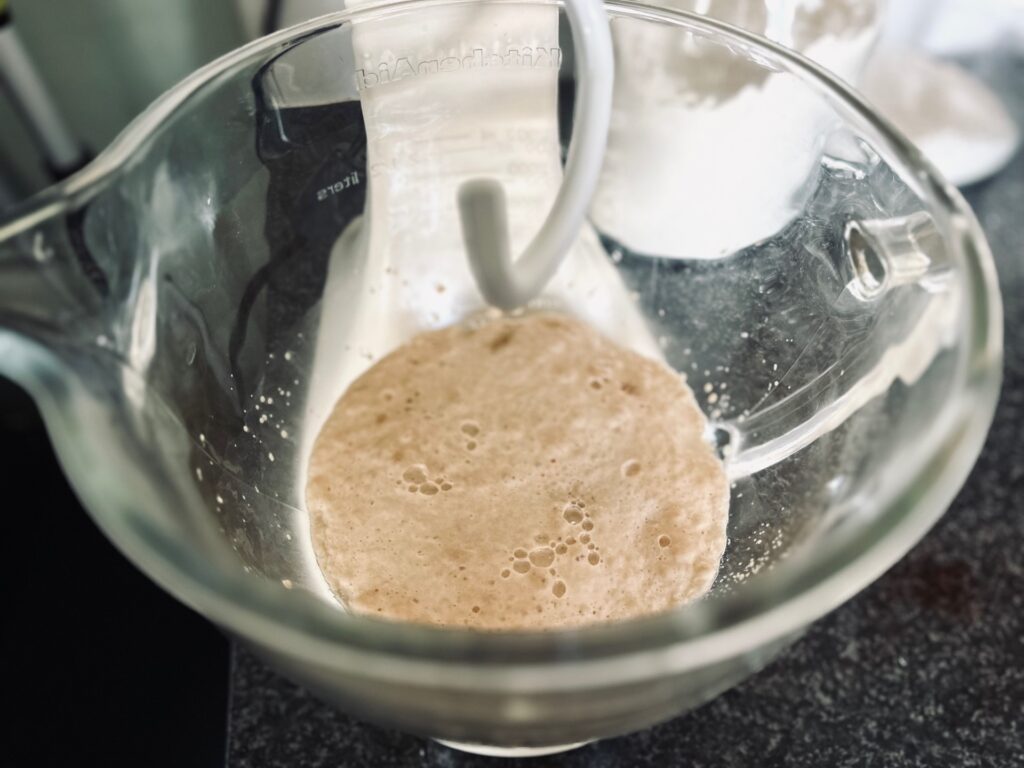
[[923, 668]]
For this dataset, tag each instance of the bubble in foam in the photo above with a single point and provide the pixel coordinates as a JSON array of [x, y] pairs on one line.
[[588, 525], [585, 538], [593, 558], [521, 566], [630, 468], [471, 445], [470, 428], [664, 541], [505, 573], [561, 549], [542, 557], [417, 473], [558, 589], [572, 513], [428, 489], [520, 554], [446, 486]]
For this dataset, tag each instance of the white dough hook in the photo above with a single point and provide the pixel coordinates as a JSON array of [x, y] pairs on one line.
[[482, 205]]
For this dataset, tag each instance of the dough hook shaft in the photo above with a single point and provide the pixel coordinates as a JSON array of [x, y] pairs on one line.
[[508, 283]]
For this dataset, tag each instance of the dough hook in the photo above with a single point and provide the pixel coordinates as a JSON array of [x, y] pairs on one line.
[[482, 204]]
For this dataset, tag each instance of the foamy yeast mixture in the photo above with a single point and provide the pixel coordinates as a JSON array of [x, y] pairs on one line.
[[523, 473]]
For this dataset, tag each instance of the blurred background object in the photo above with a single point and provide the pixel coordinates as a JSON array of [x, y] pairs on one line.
[[952, 116], [261, 17], [955, 119], [956, 27], [29, 95], [102, 62], [98, 64]]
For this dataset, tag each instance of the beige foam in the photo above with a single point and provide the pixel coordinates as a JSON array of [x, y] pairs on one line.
[[523, 473]]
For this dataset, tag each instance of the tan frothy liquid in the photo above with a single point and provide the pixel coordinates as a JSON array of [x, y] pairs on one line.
[[526, 473]]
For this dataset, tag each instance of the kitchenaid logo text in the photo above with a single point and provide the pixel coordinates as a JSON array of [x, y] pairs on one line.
[[405, 67]]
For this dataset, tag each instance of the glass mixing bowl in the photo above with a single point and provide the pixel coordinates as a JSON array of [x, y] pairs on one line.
[[186, 309]]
